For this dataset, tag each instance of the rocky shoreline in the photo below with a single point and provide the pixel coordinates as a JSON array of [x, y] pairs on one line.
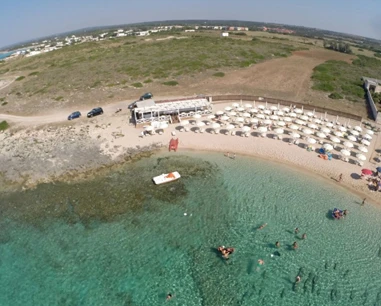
[[29, 157]]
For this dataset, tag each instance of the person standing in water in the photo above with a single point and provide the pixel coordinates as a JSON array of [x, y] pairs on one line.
[[296, 230], [297, 279], [363, 202], [277, 244], [294, 245], [304, 236], [340, 177], [169, 296]]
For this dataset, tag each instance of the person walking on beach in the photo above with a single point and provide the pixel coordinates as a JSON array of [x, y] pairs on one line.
[[363, 202], [340, 177]]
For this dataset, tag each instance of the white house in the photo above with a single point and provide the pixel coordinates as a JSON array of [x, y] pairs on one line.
[[142, 33], [224, 34], [192, 30]]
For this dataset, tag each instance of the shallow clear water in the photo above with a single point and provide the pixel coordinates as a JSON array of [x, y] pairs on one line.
[[120, 240]]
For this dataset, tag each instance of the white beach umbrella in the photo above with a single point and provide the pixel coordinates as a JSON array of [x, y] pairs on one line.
[[352, 138], [357, 128], [345, 152], [338, 133], [239, 119], [228, 108], [307, 131], [248, 105], [200, 123], [361, 157], [273, 108], [293, 115], [219, 113], [281, 123], [253, 110], [229, 127], [311, 140], [342, 129], [211, 117], [225, 118], [370, 132], [274, 117], [261, 106], [325, 130], [240, 109], [295, 135], [354, 132], [279, 131], [328, 146], [246, 129], [267, 112], [235, 105], [300, 122], [260, 116], [298, 111], [335, 139], [254, 120], [367, 136], [197, 116], [184, 122], [232, 114], [312, 126], [310, 114], [287, 119], [348, 144], [262, 129], [280, 113], [318, 121], [216, 125], [303, 117], [294, 127], [246, 115], [286, 109], [329, 124], [321, 135], [363, 149], [267, 122], [365, 142]]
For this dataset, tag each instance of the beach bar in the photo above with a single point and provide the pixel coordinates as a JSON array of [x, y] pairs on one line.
[[173, 111]]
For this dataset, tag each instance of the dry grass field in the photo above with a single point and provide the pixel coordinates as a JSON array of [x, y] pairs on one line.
[[100, 73]]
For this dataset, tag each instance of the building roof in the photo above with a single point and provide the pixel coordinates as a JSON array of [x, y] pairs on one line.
[[174, 105]]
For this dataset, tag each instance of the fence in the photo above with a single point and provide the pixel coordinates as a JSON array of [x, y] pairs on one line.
[[225, 98]]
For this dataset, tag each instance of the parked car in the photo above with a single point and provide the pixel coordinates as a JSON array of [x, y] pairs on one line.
[[74, 115], [95, 112], [146, 96]]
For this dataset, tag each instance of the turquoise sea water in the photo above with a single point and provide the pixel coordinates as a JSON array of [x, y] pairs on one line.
[[4, 55], [120, 240]]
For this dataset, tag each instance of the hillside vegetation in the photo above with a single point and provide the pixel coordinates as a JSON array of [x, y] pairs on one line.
[[343, 80], [127, 61]]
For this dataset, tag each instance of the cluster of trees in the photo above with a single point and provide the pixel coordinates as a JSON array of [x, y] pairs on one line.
[[337, 46]]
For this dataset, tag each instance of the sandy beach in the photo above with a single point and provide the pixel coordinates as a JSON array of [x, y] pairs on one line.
[[33, 152]]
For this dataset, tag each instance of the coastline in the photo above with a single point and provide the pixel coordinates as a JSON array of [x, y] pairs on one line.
[[33, 154]]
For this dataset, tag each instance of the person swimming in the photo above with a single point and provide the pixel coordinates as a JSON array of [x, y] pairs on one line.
[[169, 296], [262, 226], [295, 245], [304, 236], [277, 244]]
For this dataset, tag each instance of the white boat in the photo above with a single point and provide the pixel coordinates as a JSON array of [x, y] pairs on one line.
[[166, 178]]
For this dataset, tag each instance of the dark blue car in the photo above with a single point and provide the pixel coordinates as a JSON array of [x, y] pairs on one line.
[[74, 115]]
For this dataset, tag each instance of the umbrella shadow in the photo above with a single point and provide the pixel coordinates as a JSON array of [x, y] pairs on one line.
[[209, 130], [356, 176]]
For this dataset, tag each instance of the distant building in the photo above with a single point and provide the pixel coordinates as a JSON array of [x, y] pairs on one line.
[[192, 30], [142, 33], [224, 34]]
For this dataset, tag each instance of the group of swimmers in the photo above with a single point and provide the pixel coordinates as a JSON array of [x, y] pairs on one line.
[[296, 231], [225, 252], [338, 214]]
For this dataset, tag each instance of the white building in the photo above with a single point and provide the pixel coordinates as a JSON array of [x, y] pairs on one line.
[[224, 34]]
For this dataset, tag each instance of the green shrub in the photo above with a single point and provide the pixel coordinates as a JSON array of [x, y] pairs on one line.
[[20, 78], [377, 54], [2, 71], [33, 73], [60, 98], [219, 74], [336, 96], [137, 85], [4, 125], [148, 81], [170, 83], [4, 103], [361, 49]]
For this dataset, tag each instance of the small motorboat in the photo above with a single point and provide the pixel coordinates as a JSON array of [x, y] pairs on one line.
[[166, 178]]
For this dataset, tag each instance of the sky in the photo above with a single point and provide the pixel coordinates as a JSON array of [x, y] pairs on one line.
[[23, 20]]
